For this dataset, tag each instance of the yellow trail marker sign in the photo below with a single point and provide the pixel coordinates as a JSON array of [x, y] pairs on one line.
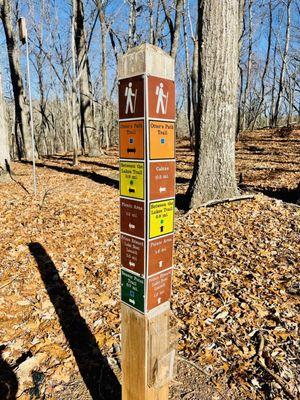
[[161, 217], [132, 179]]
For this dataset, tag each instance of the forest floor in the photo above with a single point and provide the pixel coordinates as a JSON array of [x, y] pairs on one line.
[[235, 290]]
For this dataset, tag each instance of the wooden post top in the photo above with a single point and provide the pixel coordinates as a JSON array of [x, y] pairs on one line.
[[148, 59]]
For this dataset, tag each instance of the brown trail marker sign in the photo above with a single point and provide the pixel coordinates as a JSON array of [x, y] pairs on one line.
[[147, 201]]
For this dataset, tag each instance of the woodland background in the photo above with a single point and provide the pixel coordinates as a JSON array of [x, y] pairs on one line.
[[235, 297], [73, 55]]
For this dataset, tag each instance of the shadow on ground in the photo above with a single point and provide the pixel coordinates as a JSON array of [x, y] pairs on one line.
[[8, 379], [93, 366], [87, 174], [284, 194]]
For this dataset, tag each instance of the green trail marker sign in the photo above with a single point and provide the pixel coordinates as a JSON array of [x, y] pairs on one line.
[[132, 290]]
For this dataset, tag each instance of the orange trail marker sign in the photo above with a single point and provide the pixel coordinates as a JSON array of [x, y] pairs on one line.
[[147, 201]]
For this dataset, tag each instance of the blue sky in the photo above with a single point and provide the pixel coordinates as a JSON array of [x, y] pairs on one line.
[[117, 13]]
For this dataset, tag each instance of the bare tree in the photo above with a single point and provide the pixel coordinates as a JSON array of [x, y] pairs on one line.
[[104, 101], [191, 74], [214, 166], [89, 137], [22, 117], [174, 26], [283, 63], [4, 143], [267, 62], [132, 38], [249, 64]]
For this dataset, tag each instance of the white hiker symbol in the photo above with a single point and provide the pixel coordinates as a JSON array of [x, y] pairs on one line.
[[130, 104], [162, 99]]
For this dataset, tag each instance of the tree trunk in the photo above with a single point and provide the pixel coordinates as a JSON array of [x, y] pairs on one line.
[[22, 117], [188, 79], [132, 40], [241, 75], [4, 142], [174, 27], [87, 125], [195, 92], [74, 100], [249, 66], [263, 78], [177, 24], [214, 166], [283, 65], [104, 101], [151, 22], [271, 121]]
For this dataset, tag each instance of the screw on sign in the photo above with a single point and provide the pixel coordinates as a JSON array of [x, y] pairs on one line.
[[147, 201]]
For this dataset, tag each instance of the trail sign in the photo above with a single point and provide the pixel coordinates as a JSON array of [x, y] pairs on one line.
[[162, 140], [147, 201], [161, 218], [162, 180], [132, 179], [132, 254], [131, 97], [161, 98], [159, 289], [132, 139], [132, 217], [132, 290], [160, 254]]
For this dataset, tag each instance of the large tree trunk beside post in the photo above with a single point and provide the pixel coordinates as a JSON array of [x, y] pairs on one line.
[[87, 125], [4, 142], [214, 166], [22, 117]]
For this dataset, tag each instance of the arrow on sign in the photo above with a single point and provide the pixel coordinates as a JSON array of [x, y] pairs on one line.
[[159, 300], [131, 264], [162, 189], [131, 150], [132, 301], [160, 264], [131, 226], [131, 190], [162, 228]]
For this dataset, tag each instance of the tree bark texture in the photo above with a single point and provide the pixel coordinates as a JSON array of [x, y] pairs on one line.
[[174, 27], [283, 64], [104, 106], [4, 142], [214, 166], [87, 126], [22, 117]]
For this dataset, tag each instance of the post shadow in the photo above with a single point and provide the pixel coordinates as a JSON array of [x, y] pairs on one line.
[[93, 366], [8, 379], [102, 179]]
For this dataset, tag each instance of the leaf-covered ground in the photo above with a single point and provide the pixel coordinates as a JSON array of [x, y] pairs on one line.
[[235, 291]]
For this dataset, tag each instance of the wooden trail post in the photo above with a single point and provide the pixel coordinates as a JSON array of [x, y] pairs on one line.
[[147, 202]]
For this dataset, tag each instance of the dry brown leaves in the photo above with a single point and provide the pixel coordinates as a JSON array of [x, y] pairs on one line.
[[236, 278]]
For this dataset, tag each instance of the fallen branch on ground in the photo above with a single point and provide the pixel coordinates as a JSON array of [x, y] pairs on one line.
[[228, 200], [277, 378], [8, 283]]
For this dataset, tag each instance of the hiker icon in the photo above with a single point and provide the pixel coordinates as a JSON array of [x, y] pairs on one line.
[[162, 99], [130, 99]]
